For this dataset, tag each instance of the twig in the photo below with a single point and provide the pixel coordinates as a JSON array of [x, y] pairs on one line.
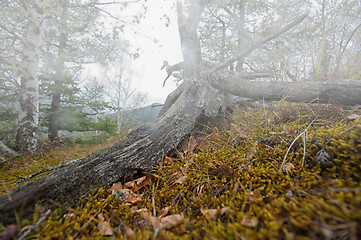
[[153, 203], [16, 176], [23, 179], [303, 134], [347, 130], [35, 227]]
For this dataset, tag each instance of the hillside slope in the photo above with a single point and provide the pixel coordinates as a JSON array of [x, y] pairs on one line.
[[292, 171]]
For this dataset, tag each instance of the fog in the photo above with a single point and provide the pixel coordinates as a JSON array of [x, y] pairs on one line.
[[96, 58]]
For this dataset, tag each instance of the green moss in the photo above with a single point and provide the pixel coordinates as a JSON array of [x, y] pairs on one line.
[[242, 170]]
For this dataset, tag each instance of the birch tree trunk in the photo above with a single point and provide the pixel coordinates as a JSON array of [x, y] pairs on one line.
[[26, 138]]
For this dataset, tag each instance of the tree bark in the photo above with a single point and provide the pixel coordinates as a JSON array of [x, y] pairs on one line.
[[6, 151], [26, 138], [59, 76]]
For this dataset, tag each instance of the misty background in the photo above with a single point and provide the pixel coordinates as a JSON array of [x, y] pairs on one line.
[[98, 61]]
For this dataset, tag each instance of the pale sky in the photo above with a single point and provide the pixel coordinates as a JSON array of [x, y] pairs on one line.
[[146, 75], [150, 78]]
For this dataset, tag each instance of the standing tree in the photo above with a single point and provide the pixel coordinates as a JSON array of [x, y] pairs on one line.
[[26, 138], [74, 39], [201, 100], [121, 93]]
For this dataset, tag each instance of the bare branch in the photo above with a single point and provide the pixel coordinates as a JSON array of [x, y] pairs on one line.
[[237, 20], [13, 33], [349, 39], [252, 48], [121, 3]]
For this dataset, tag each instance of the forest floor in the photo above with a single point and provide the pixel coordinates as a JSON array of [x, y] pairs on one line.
[[288, 171]]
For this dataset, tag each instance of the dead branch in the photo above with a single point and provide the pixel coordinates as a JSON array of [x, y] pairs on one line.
[[255, 46]]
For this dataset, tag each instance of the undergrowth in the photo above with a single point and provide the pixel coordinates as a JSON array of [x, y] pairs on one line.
[[12, 173], [232, 186]]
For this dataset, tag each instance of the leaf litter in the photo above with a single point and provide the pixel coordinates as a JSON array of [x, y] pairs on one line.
[[235, 184]]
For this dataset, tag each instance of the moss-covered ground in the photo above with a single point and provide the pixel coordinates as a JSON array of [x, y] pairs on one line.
[[291, 171]]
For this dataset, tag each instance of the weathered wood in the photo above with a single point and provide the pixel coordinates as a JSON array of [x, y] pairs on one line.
[[141, 149], [344, 92], [6, 151]]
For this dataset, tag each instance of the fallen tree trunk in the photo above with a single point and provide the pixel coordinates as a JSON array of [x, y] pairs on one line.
[[199, 103], [344, 92], [145, 146]]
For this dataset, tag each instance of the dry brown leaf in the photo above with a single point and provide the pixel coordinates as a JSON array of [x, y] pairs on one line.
[[181, 180], [289, 167], [160, 223], [212, 165], [130, 196], [142, 210], [171, 221], [133, 199], [104, 226], [206, 143], [254, 195], [189, 145], [143, 181], [253, 151], [177, 175], [353, 116], [137, 183], [165, 211], [249, 221], [170, 160], [127, 231], [130, 185], [213, 214], [154, 221], [115, 186]]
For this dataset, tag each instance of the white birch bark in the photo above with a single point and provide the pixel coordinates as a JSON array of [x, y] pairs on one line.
[[26, 139]]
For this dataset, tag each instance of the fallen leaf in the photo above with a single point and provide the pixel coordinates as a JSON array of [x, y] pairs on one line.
[[289, 167], [104, 226], [253, 150], [133, 199], [142, 182], [170, 160], [213, 214], [127, 195], [206, 143], [160, 223], [140, 210], [154, 221], [165, 211], [177, 175], [181, 180], [188, 146], [127, 231], [115, 186], [353, 116], [130, 185], [171, 221], [249, 222], [254, 195]]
